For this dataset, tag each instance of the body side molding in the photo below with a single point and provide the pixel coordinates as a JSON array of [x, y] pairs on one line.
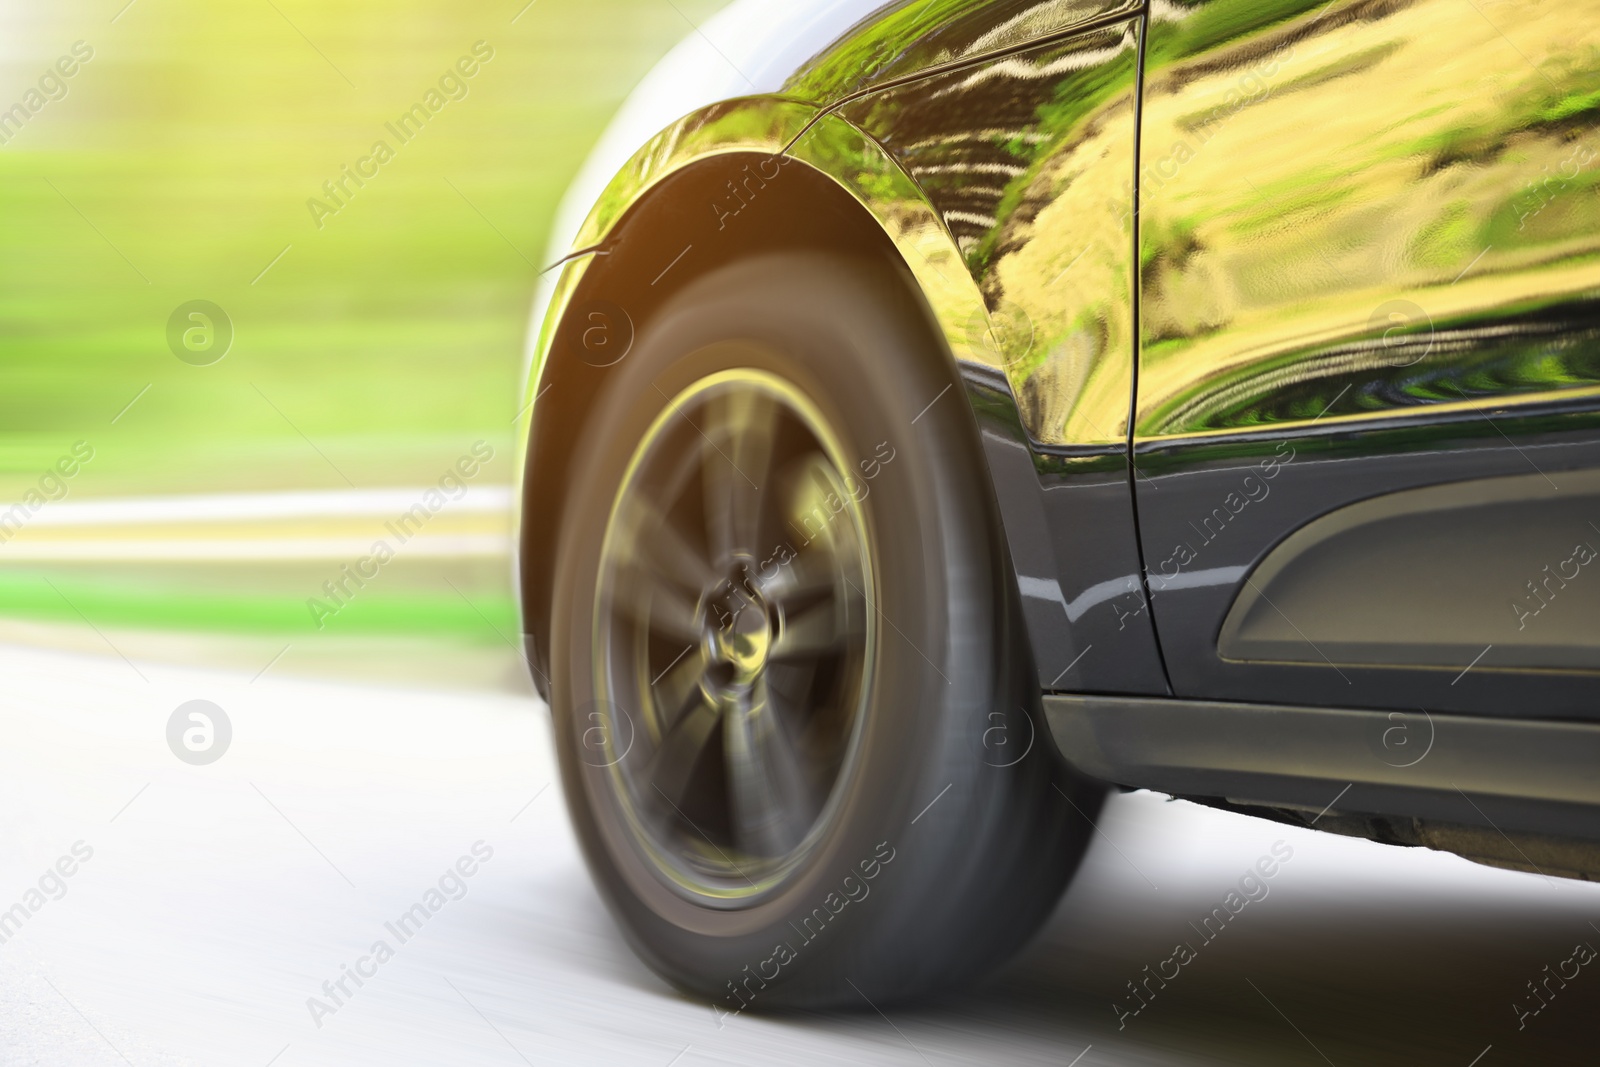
[[1508, 775], [1430, 576]]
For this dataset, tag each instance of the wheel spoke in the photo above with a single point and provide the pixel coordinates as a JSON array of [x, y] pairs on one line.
[[674, 764], [814, 505], [753, 679], [661, 549], [770, 798], [810, 574], [826, 626], [753, 419], [740, 429], [679, 684], [660, 608]]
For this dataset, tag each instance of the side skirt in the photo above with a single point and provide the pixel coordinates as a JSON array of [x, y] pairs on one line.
[[1508, 785]]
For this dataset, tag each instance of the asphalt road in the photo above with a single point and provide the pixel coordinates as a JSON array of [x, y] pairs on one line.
[[215, 900]]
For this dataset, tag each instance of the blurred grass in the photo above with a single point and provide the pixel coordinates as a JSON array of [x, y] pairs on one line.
[[179, 164], [221, 602]]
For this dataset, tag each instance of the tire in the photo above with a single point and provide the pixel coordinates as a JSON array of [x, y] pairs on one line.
[[893, 817]]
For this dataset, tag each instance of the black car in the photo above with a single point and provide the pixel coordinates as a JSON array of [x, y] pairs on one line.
[[965, 407]]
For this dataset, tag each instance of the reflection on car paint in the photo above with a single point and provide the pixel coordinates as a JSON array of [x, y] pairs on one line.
[[1358, 209], [913, 37], [1029, 161]]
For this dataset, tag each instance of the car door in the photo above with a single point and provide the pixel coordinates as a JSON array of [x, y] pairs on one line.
[[1367, 427]]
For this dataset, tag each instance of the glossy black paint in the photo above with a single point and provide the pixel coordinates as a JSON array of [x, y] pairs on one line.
[[1366, 266], [1302, 274], [1069, 526], [1350, 210], [913, 38], [1270, 484], [1416, 413], [1474, 357], [996, 145], [1088, 505]]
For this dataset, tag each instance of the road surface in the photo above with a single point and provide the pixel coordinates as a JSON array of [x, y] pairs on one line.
[[208, 904]]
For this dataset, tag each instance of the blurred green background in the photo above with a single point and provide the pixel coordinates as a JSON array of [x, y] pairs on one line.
[[370, 352]]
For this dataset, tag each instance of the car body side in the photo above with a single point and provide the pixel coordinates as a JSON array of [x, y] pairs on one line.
[[1171, 301], [810, 121]]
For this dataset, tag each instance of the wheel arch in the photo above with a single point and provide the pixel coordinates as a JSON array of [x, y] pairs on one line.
[[728, 181]]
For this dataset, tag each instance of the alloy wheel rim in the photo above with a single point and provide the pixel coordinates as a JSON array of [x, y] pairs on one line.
[[734, 637]]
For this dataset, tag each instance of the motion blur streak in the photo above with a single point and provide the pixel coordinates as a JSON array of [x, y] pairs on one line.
[[204, 920]]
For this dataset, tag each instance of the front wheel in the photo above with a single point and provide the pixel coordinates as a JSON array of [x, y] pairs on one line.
[[799, 734]]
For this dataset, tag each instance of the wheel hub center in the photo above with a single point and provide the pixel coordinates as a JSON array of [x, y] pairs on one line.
[[739, 631], [744, 645]]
